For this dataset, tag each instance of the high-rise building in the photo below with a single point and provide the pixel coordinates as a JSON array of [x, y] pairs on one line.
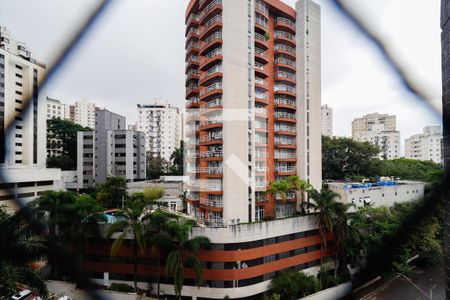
[[161, 123], [327, 120], [445, 61], [22, 124], [372, 123], [380, 130], [110, 150], [83, 113], [57, 109], [425, 146]]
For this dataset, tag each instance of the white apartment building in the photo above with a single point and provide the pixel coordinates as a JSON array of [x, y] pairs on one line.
[[373, 122], [327, 120], [380, 130], [57, 109], [161, 123], [84, 113], [110, 150], [22, 131], [425, 146]]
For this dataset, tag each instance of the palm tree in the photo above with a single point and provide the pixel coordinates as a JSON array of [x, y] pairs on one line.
[[184, 253], [280, 188], [158, 238], [131, 220], [19, 247], [324, 205]]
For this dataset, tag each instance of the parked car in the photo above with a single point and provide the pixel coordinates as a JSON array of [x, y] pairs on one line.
[[22, 295]]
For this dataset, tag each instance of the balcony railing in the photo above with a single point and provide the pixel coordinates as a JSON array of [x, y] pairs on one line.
[[285, 155], [259, 80], [211, 153], [211, 137], [211, 104], [284, 101], [260, 51], [285, 128], [260, 184], [211, 170], [282, 168], [259, 36], [261, 95], [209, 88], [191, 59], [259, 5], [261, 111], [192, 45], [281, 141], [284, 34], [261, 198], [209, 7], [281, 47], [191, 18], [284, 88], [191, 88], [260, 154], [261, 140], [261, 22], [259, 66], [193, 196], [216, 18], [285, 61], [210, 71], [288, 195], [285, 21], [211, 54], [216, 35], [211, 203], [284, 74], [283, 114]]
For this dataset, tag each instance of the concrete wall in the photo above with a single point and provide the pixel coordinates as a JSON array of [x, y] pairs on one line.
[[337, 292]]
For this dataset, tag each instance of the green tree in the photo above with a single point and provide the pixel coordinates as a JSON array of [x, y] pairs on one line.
[[131, 219], [19, 247], [184, 253], [406, 168], [151, 194], [112, 192], [156, 166], [292, 285], [62, 143], [346, 158], [176, 158]]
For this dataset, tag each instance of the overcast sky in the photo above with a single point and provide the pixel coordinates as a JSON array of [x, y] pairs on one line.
[[136, 53]]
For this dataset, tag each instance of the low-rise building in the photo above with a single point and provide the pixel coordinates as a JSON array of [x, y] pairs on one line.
[[425, 146], [57, 109], [385, 192], [110, 150]]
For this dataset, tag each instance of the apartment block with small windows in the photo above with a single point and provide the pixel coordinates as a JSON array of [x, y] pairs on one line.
[[83, 113], [379, 130], [22, 128], [57, 109], [161, 123], [425, 146], [110, 150]]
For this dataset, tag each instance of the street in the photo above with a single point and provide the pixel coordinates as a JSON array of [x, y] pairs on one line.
[[399, 288]]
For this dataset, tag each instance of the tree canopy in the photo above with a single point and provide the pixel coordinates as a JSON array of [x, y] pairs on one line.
[[62, 143]]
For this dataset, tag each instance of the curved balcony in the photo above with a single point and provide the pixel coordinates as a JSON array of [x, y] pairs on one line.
[[261, 185], [214, 204], [212, 106], [289, 196], [262, 8], [261, 23], [261, 56], [192, 102], [191, 90], [191, 62], [285, 63], [193, 35], [212, 7], [261, 84], [285, 142], [214, 122], [192, 130], [192, 49], [191, 22], [285, 131], [285, 50], [212, 24], [284, 89], [261, 70], [285, 76], [210, 90], [261, 97], [285, 24], [285, 38], [285, 116], [212, 73], [285, 102], [192, 74], [212, 40], [261, 41], [192, 196], [211, 58], [211, 155]]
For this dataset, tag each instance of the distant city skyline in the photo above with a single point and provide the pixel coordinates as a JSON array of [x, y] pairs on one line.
[[118, 66]]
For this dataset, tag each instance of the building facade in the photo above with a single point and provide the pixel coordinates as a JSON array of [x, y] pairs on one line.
[[425, 146], [161, 123], [83, 113], [445, 61], [379, 130], [57, 109], [327, 120], [383, 193], [110, 150], [22, 125]]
